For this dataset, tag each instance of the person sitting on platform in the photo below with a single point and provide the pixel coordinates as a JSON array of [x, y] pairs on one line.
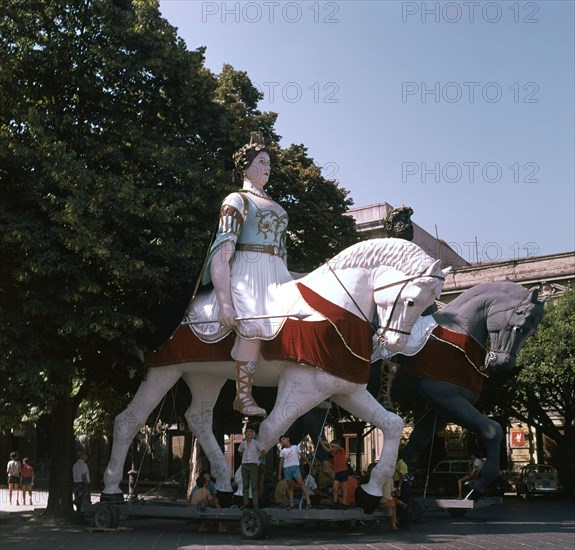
[[476, 465], [390, 501], [201, 495]]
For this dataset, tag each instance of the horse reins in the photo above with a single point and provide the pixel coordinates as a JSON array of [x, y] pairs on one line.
[[388, 328], [491, 354], [403, 282]]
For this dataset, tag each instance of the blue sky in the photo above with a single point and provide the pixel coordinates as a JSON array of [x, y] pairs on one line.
[[463, 110]]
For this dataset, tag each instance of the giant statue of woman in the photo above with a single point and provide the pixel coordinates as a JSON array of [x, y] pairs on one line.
[[246, 263]]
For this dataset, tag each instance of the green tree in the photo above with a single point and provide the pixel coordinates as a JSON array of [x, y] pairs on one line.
[[542, 387], [108, 167], [318, 227], [113, 138]]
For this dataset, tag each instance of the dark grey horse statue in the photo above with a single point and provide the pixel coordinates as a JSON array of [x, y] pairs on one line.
[[449, 371]]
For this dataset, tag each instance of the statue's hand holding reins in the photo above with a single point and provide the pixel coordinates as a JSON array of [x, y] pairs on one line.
[[227, 316]]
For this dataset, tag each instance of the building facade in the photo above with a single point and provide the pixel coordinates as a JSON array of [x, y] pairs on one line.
[[551, 273]]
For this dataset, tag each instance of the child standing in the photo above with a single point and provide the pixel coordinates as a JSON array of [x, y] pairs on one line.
[[339, 467], [289, 469], [13, 470], [27, 479]]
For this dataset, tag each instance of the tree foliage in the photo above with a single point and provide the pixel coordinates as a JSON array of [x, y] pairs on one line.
[[541, 390], [113, 142], [318, 228]]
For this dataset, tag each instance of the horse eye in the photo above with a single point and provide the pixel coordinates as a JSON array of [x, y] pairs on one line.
[[410, 303], [518, 330]]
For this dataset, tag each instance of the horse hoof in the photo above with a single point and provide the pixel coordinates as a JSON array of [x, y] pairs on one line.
[[366, 501], [112, 497]]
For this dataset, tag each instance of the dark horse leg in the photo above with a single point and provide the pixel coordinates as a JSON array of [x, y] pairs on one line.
[[405, 392], [457, 405], [423, 431]]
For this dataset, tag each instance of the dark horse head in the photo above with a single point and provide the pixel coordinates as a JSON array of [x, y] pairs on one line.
[[509, 324]]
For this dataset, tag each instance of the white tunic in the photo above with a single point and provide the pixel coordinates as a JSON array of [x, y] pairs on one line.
[[256, 226]]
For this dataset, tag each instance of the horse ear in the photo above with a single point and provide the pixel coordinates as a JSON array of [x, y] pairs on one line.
[[447, 270], [433, 267], [534, 295]]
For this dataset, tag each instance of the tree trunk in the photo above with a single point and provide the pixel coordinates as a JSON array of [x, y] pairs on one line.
[[62, 459]]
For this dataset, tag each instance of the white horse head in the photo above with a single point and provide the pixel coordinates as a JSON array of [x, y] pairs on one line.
[[409, 296], [394, 277]]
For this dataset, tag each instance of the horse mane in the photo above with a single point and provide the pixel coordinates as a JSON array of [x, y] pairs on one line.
[[492, 291], [400, 254]]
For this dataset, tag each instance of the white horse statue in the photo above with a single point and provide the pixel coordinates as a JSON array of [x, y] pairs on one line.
[[323, 351]]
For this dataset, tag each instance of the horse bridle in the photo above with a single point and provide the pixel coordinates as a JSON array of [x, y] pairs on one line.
[[404, 282], [491, 355]]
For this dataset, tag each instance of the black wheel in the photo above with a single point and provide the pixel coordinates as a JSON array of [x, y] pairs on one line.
[[106, 517], [253, 524], [456, 512], [415, 511], [267, 520], [116, 514], [369, 523]]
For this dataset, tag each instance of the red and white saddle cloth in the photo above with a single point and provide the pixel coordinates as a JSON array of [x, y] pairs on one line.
[[340, 344], [450, 357]]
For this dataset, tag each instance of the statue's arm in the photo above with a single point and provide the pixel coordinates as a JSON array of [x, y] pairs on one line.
[[221, 278]]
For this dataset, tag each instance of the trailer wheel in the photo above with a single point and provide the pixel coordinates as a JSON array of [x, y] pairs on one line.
[[253, 524], [369, 523], [456, 512], [415, 511], [106, 517]]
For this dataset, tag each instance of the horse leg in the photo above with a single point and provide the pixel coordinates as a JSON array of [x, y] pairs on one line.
[[126, 425], [457, 405], [363, 405], [205, 389], [423, 431], [299, 390]]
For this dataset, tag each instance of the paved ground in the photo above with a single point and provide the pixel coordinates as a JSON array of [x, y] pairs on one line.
[[516, 524]]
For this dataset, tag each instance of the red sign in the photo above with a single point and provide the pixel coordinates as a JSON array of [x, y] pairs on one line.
[[518, 438]]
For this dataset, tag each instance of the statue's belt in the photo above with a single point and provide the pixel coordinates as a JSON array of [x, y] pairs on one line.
[[263, 248]]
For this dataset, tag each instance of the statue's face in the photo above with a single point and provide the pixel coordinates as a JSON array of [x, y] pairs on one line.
[[259, 170]]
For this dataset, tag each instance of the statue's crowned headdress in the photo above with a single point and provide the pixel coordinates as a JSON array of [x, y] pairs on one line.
[[246, 155]]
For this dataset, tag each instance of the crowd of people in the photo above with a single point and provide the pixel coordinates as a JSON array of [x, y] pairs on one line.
[[301, 481]]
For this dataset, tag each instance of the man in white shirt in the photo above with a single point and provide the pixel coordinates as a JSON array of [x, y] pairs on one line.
[[252, 452], [81, 475]]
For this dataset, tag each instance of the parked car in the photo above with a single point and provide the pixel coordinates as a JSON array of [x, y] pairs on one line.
[[443, 479], [538, 479]]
